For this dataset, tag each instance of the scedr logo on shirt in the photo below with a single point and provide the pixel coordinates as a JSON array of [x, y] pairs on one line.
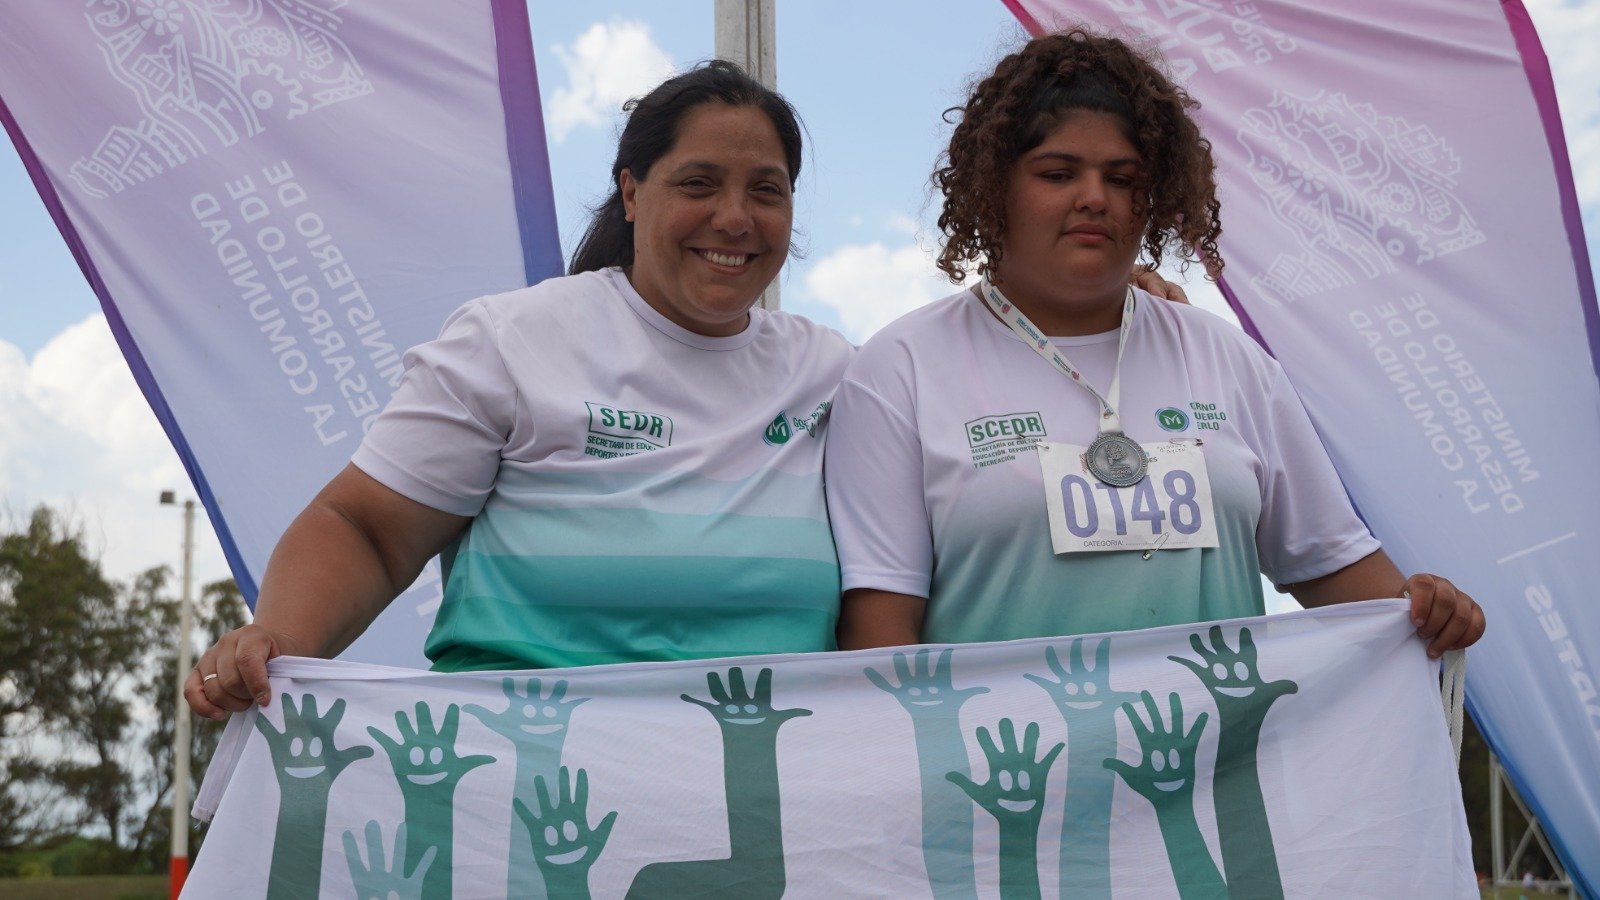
[[998, 439]]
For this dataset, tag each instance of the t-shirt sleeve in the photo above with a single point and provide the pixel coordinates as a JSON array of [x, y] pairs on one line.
[[1308, 527], [873, 472], [439, 440]]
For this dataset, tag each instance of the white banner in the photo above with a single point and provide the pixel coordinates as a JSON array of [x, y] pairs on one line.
[[1403, 235], [273, 200], [1302, 755]]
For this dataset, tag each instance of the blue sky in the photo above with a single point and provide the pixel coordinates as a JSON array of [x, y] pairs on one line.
[[870, 80]]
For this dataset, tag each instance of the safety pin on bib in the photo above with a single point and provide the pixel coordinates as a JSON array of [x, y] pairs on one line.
[[1151, 552]]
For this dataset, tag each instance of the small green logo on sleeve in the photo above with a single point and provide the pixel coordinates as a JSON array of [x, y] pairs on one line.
[[778, 431], [624, 432]]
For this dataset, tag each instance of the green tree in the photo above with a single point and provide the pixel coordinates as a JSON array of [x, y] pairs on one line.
[[52, 596], [87, 694]]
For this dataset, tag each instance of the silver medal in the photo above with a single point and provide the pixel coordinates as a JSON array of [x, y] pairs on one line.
[[1116, 459]]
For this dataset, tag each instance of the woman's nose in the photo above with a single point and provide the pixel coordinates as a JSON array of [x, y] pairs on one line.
[[732, 214]]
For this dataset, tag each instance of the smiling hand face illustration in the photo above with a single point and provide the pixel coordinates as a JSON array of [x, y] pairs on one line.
[[923, 684], [1086, 691], [305, 758], [564, 844], [425, 756], [541, 719], [1233, 677], [1166, 752], [1078, 686], [1015, 790], [304, 752], [428, 764], [1234, 682], [533, 715], [566, 836], [741, 710], [742, 714], [1016, 786], [1170, 762]]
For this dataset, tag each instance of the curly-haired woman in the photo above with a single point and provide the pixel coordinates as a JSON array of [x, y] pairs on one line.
[[1050, 452]]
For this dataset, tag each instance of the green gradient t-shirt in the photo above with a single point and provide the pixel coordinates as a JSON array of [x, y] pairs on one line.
[[640, 492], [935, 488]]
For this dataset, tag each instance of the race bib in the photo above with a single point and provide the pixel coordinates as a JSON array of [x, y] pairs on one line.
[[1167, 510]]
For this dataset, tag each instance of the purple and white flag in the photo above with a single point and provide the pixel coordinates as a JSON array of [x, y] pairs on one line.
[[1404, 235], [273, 200]]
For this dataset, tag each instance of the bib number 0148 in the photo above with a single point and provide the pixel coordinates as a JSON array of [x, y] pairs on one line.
[[1170, 508], [1180, 513]]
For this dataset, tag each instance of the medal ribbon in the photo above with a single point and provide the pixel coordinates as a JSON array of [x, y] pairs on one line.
[[1030, 334]]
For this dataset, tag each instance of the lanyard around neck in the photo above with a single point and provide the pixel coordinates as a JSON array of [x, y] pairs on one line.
[[1022, 327]]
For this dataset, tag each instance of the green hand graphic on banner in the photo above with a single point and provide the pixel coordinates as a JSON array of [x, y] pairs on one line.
[[1165, 776], [754, 866], [1243, 699], [1089, 706], [1014, 795], [535, 722], [372, 881], [306, 762], [563, 842], [927, 692], [427, 769]]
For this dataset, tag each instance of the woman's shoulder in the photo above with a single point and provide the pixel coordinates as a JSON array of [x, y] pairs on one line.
[[558, 293], [940, 320], [796, 329], [1201, 326]]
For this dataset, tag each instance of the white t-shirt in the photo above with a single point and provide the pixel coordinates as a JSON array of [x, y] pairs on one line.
[[639, 491], [927, 499]]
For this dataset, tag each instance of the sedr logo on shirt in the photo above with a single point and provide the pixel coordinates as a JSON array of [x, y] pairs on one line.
[[1000, 439], [617, 432]]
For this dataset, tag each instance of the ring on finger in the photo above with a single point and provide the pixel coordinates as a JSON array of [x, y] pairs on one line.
[[210, 677]]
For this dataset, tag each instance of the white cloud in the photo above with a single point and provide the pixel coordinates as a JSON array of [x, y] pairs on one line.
[[607, 65], [871, 285], [904, 224], [76, 434], [1567, 30]]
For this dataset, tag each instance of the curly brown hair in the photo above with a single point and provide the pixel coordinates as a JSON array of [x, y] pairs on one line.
[[1029, 93]]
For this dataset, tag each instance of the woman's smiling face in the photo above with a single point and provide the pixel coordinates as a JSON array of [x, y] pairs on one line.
[[711, 219]]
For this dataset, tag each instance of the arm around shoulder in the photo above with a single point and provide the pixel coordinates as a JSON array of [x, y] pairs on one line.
[[353, 549]]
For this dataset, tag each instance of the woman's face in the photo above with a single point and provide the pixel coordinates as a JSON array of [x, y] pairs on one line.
[[711, 219], [1073, 229]]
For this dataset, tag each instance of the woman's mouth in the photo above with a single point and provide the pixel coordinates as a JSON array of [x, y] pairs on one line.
[[726, 260]]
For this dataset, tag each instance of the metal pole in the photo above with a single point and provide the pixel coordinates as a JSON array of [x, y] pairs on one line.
[[747, 34], [179, 869], [1497, 838]]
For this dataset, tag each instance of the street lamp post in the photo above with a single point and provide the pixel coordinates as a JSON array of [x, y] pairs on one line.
[[179, 866], [747, 34]]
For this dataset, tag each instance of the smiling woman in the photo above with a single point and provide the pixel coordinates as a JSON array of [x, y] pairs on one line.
[[621, 464], [712, 219]]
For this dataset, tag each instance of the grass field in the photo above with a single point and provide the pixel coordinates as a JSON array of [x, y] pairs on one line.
[[102, 887]]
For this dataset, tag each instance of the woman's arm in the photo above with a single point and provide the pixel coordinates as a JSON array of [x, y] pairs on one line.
[[1444, 615], [872, 618], [353, 549]]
